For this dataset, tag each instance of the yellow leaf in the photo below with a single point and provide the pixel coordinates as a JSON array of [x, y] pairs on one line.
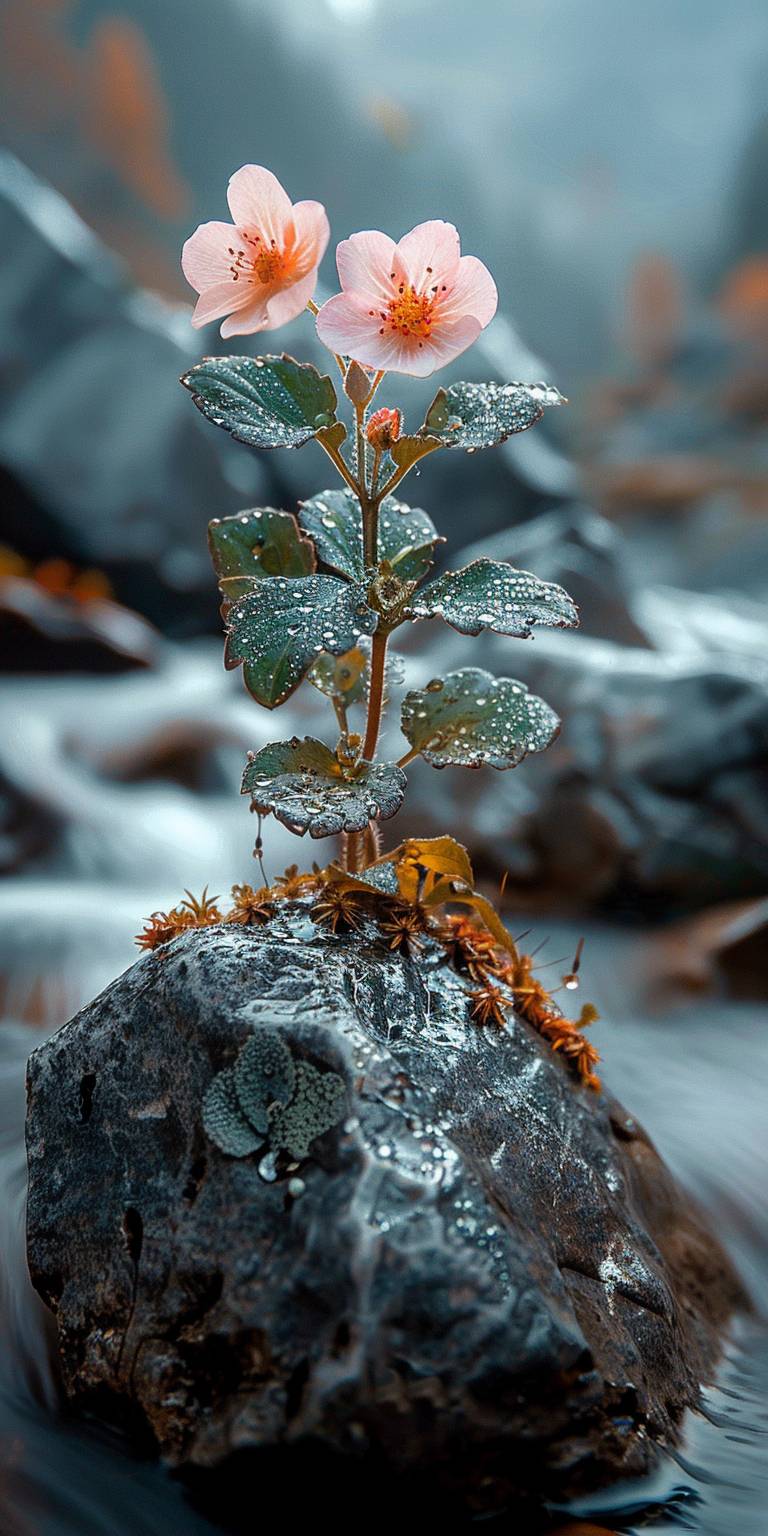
[[443, 855]]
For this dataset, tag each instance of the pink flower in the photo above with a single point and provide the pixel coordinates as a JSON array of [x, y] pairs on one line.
[[410, 307], [260, 271]]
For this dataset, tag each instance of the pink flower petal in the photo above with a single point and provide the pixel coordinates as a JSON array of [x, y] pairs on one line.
[[344, 325], [289, 302], [473, 293], [258, 201], [205, 257], [312, 233], [434, 245], [220, 300], [448, 341], [253, 317], [364, 263]]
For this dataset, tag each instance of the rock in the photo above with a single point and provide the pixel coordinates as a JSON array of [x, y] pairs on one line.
[[439, 1257]]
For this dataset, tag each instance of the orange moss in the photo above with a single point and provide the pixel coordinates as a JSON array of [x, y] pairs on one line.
[[503, 979]]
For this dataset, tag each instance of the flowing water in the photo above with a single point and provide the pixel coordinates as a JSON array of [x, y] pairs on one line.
[[693, 1067]]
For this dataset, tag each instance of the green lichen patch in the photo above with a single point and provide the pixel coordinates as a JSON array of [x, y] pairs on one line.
[[266, 1097], [318, 1105]]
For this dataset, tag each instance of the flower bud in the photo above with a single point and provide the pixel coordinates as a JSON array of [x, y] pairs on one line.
[[383, 429]]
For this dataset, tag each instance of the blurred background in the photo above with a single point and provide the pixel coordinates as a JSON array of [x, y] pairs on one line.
[[610, 164]]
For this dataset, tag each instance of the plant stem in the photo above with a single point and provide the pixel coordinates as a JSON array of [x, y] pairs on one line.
[[375, 385], [375, 693], [346, 474], [375, 474], [341, 715], [408, 758], [372, 841], [353, 851], [370, 510], [404, 470], [360, 444]]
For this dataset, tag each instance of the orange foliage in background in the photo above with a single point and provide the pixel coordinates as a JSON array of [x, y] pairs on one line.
[[104, 96]]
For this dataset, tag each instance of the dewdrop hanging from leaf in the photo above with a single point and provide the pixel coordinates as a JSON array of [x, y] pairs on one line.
[[338, 575]]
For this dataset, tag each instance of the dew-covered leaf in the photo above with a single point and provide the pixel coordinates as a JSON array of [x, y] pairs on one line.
[[341, 677], [481, 415], [224, 1121], [334, 521], [407, 537], [377, 877], [489, 594], [472, 718], [266, 402], [259, 542], [279, 627], [304, 786]]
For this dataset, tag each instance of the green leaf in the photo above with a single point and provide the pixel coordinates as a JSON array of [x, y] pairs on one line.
[[489, 594], [266, 402], [334, 521], [280, 625], [407, 537], [259, 542], [305, 787], [481, 415], [472, 718]]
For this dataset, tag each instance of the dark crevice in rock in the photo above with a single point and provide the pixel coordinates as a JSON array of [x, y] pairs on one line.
[[195, 1178], [87, 1086], [296, 1386], [133, 1232], [620, 1288]]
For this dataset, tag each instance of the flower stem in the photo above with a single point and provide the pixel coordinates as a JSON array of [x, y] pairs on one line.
[[346, 474], [375, 473], [360, 445], [370, 509], [375, 385], [375, 693]]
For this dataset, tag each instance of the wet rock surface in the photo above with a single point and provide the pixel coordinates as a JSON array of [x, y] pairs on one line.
[[481, 1277]]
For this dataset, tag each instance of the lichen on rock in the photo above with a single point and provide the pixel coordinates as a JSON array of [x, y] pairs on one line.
[[265, 1097]]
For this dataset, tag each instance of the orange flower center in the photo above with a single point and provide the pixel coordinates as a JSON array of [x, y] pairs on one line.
[[258, 261], [410, 312]]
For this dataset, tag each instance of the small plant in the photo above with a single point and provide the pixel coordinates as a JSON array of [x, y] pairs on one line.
[[318, 595]]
